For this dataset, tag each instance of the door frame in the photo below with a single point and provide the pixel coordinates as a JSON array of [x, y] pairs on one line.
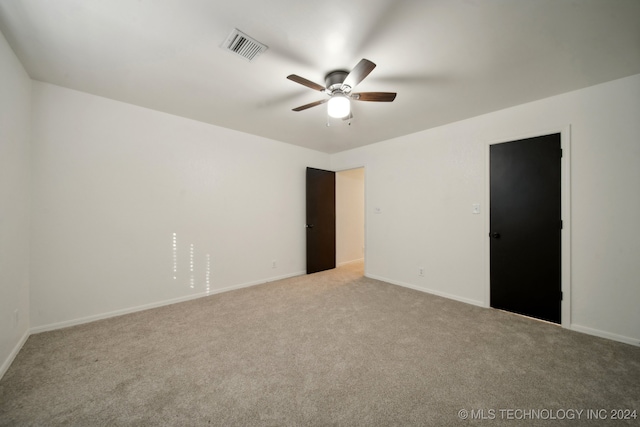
[[366, 211], [565, 186]]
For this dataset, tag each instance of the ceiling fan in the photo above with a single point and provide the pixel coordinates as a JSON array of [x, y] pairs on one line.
[[339, 85]]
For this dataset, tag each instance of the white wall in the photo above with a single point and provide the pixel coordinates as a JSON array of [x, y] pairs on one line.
[[15, 97], [112, 182], [349, 215], [426, 183]]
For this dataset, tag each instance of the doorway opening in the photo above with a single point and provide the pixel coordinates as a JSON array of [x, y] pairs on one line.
[[335, 214], [350, 218]]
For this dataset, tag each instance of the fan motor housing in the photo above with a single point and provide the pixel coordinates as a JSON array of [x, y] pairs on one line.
[[334, 79]]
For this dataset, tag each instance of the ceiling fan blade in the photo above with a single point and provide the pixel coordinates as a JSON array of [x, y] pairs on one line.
[[374, 96], [305, 82], [313, 104], [358, 73]]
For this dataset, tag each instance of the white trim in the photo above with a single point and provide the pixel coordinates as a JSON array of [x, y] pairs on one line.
[[487, 226], [88, 319], [565, 144], [565, 182], [7, 363], [604, 334], [427, 290]]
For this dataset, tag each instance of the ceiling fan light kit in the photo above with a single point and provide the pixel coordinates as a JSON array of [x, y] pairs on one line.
[[338, 106], [338, 86]]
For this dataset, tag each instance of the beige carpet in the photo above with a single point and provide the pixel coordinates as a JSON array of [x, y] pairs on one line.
[[333, 348]]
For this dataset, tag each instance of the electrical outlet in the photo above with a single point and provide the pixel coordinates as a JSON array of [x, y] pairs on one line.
[[274, 264], [421, 271]]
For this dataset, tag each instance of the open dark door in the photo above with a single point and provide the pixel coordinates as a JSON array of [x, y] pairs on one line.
[[321, 220], [525, 183]]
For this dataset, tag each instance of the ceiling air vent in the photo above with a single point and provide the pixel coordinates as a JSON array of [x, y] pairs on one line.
[[241, 44]]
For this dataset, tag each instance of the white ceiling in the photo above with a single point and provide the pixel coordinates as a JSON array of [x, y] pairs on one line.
[[447, 59]]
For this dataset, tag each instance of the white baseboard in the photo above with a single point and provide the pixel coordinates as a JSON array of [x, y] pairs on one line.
[[427, 290], [573, 327], [50, 327], [340, 264], [604, 334], [5, 365], [93, 318], [88, 319]]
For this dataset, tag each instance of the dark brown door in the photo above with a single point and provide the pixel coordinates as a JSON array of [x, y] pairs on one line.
[[321, 220], [526, 227]]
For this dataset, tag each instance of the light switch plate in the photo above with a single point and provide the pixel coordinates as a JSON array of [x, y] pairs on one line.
[[475, 208]]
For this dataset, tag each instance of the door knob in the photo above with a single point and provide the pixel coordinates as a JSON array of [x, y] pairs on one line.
[[494, 235], [310, 226]]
